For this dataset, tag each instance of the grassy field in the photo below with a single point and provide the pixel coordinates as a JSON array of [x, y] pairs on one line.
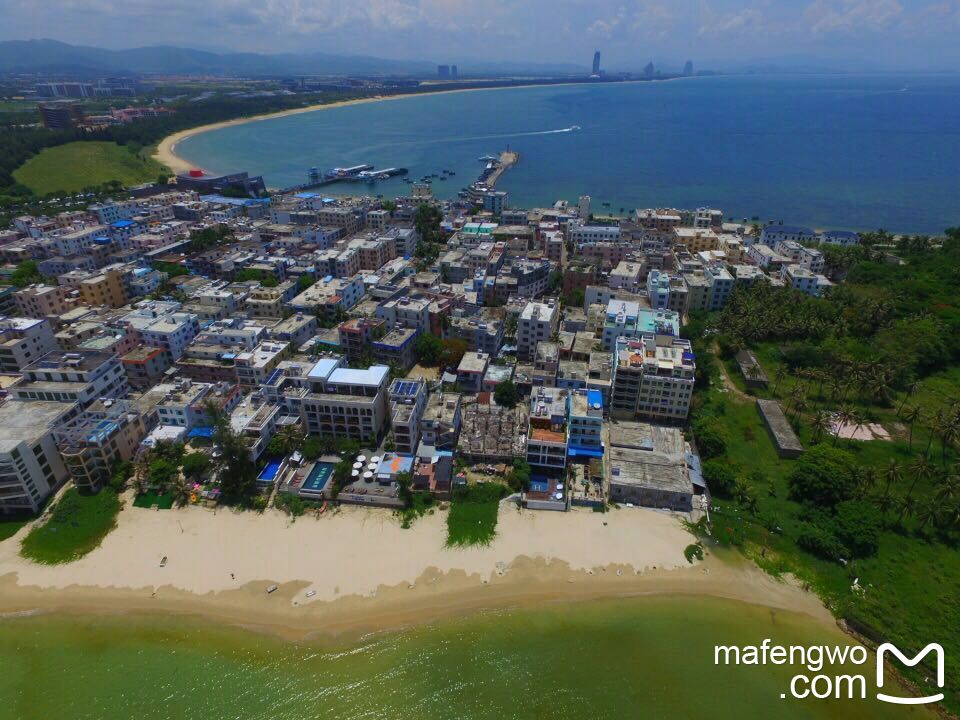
[[9, 528], [909, 587], [76, 526], [79, 165], [472, 519]]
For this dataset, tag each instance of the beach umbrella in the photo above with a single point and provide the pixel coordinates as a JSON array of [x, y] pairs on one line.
[[361, 458], [355, 473], [375, 459], [368, 476], [357, 465]]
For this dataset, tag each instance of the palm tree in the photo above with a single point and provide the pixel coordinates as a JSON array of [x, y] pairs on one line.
[[857, 420], [844, 417], [949, 488], [820, 424], [910, 417], [867, 480], [778, 376], [922, 470], [927, 511], [949, 432], [908, 506], [181, 489], [885, 503], [911, 390], [893, 475], [935, 423]]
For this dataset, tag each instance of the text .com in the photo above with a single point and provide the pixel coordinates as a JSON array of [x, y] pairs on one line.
[[820, 685]]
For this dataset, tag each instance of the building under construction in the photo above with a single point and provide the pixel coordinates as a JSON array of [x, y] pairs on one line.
[[91, 443], [491, 433]]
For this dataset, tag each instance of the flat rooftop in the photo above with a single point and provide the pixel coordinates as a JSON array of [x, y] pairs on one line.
[[27, 421]]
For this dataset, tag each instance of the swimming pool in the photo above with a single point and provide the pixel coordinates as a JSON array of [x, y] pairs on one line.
[[317, 479], [270, 471]]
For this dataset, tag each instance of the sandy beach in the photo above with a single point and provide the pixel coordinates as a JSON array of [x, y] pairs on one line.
[[166, 152], [369, 574]]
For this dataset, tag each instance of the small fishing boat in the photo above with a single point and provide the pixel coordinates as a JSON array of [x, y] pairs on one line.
[[163, 561], [311, 593], [271, 589]]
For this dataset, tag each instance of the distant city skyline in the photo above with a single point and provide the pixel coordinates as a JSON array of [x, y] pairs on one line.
[[912, 34]]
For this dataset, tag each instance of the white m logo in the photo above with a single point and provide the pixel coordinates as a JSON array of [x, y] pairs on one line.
[[889, 647]]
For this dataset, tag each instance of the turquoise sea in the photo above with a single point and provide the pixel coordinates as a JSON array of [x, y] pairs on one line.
[[639, 658], [830, 151]]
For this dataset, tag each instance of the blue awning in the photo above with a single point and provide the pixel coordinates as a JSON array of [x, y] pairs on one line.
[[584, 452], [202, 432]]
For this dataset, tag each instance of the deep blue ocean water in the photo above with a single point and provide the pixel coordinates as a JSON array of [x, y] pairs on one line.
[[858, 152]]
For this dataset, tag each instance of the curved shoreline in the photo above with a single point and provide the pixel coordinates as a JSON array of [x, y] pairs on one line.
[[166, 154], [369, 575]]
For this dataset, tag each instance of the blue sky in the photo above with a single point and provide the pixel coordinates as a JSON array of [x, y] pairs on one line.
[[885, 33]]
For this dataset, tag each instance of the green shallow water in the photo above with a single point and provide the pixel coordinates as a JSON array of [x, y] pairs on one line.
[[640, 658]]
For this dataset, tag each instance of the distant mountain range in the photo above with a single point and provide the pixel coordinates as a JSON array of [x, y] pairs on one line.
[[52, 56]]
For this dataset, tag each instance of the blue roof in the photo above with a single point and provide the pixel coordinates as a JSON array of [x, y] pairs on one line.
[[200, 431], [584, 452], [122, 223], [841, 233], [101, 240], [594, 397]]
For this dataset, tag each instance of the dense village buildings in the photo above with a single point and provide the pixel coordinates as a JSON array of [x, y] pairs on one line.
[[308, 317]]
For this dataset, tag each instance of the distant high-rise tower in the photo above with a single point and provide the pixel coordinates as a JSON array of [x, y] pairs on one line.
[[596, 63], [443, 72], [584, 207], [649, 70], [688, 68], [453, 71]]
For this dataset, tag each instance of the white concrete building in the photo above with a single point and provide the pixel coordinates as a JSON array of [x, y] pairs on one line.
[[537, 322], [30, 464]]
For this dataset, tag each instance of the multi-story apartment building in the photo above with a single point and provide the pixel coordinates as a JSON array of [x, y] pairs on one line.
[[345, 402], [395, 349], [695, 239], [843, 238], [440, 424], [42, 301], [184, 403], [667, 292], [481, 334], [471, 370], [172, 331], [357, 334], [97, 438], [406, 312], [30, 464], [145, 366], [585, 424], [800, 278], [105, 288], [254, 366], [771, 235], [75, 377], [628, 319], [537, 322], [721, 285], [653, 378], [547, 434], [408, 400], [582, 234], [23, 341]]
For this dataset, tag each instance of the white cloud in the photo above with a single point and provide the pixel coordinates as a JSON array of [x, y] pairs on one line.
[[831, 16]]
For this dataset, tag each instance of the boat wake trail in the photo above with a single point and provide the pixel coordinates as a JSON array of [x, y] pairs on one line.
[[463, 138]]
